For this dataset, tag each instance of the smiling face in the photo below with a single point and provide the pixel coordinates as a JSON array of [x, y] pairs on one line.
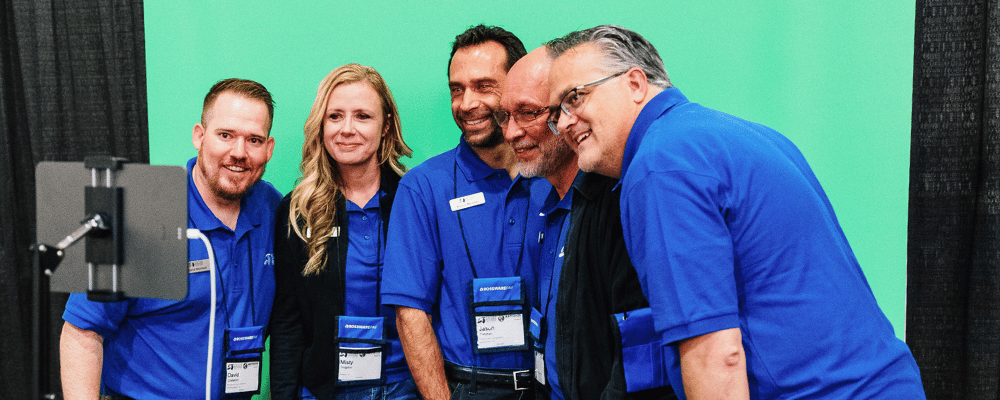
[[353, 125], [600, 126], [233, 147], [475, 76], [539, 152]]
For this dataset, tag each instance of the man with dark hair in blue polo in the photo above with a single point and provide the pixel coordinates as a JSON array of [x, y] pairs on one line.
[[753, 287], [460, 255], [158, 349]]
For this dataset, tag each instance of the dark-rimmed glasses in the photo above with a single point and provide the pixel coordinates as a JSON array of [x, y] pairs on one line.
[[573, 100]]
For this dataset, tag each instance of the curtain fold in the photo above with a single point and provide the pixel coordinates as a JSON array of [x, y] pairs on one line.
[[953, 256], [73, 84]]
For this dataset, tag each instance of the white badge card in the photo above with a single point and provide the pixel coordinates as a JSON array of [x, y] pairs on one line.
[[197, 266], [464, 202], [497, 331], [539, 367], [358, 365], [535, 328], [243, 376]]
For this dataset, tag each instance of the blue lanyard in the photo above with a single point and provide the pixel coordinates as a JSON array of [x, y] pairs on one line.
[[552, 272]]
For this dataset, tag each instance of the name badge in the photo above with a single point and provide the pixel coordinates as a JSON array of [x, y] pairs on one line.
[[498, 314], [362, 347], [243, 376], [198, 266], [243, 359], [464, 202], [539, 366], [498, 331], [642, 352], [360, 365], [536, 333]]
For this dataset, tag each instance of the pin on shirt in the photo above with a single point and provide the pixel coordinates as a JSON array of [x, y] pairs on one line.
[[464, 202]]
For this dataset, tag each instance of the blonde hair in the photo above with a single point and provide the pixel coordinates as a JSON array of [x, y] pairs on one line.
[[312, 209]]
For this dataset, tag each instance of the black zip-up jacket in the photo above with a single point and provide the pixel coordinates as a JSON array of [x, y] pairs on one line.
[[304, 318], [597, 281]]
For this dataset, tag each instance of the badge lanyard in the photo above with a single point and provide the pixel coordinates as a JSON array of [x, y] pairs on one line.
[[361, 340], [500, 325], [242, 359], [552, 274], [542, 319], [222, 285], [461, 229]]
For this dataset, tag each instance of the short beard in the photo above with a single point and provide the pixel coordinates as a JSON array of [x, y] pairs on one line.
[[554, 156], [221, 192], [493, 140]]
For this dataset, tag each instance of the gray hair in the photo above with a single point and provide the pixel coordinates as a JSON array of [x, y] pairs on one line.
[[623, 49]]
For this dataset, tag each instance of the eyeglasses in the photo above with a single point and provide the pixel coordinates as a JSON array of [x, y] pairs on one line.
[[573, 100], [522, 117]]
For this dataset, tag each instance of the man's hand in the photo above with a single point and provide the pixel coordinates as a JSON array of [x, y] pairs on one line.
[[714, 366], [423, 354], [81, 357]]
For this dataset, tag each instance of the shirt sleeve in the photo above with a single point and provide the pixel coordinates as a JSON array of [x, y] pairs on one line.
[[412, 272], [675, 226], [101, 318]]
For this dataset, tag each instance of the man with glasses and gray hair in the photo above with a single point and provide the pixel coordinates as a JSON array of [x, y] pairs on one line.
[[753, 288]]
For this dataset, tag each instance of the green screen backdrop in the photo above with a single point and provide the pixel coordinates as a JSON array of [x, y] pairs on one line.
[[834, 77]]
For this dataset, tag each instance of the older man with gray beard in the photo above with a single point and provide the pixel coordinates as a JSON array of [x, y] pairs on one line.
[[584, 273]]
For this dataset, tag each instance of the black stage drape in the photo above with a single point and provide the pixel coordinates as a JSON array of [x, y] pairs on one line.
[[72, 83], [953, 256]]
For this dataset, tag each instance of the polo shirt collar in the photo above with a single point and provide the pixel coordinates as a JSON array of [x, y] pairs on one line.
[[202, 216], [553, 202], [473, 167], [582, 186], [656, 107]]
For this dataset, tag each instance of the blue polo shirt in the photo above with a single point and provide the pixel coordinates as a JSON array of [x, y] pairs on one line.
[[365, 256], [556, 212], [156, 349], [427, 266], [728, 228]]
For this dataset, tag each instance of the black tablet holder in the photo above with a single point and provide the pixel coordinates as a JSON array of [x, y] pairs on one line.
[[103, 226], [134, 221]]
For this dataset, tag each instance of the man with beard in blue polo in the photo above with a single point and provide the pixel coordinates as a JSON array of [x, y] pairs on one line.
[[460, 252], [585, 275], [158, 349]]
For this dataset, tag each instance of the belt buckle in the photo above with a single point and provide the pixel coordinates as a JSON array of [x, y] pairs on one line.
[[527, 372]]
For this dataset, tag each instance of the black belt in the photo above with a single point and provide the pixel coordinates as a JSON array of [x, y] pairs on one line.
[[517, 380]]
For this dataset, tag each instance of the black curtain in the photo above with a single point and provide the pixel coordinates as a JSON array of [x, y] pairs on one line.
[[953, 256], [72, 74]]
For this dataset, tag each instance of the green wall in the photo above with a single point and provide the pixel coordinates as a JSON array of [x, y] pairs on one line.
[[835, 77]]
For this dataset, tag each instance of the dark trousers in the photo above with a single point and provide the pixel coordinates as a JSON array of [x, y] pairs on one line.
[[461, 390]]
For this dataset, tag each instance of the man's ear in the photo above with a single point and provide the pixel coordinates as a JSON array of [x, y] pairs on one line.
[[270, 148], [638, 84], [197, 135]]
